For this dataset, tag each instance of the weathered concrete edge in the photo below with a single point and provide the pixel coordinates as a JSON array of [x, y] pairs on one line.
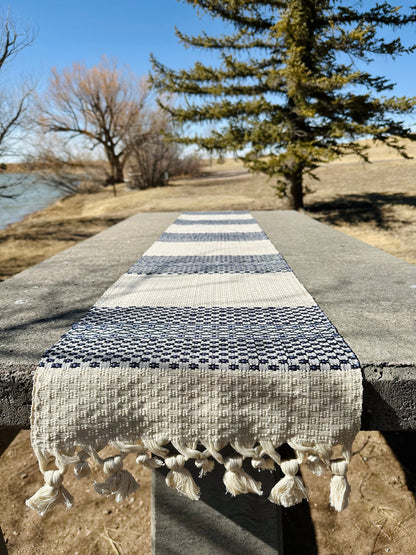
[[389, 397]]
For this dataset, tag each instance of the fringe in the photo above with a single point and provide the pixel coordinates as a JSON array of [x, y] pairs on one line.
[[154, 453]]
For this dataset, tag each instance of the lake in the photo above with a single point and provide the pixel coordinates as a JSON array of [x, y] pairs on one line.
[[32, 195]]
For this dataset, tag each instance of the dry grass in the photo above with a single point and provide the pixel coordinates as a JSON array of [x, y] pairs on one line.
[[375, 203]]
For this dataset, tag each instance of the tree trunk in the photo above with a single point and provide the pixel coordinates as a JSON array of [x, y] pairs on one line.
[[293, 199], [116, 169], [117, 174], [116, 166]]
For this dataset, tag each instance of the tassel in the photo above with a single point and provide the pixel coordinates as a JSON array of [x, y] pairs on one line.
[[82, 468], [340, 489], [262, 464], [270, 450], [201, 458], [156, 446], [236, 480], [51, 494], [148, 461], [316, 465], [119, 483], [205, 466], [214, 448], [142, 453], [290, 490], [180, 478], [246, 450], [256, 454]]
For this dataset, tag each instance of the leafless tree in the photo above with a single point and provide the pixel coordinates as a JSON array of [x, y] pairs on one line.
[[154, 157], [104, 104], [14, 100], [55, 163]]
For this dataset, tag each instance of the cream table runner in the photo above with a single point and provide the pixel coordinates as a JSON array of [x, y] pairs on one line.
[[207, 351]]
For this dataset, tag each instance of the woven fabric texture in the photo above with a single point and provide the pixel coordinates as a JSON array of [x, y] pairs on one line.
[[208, 342]]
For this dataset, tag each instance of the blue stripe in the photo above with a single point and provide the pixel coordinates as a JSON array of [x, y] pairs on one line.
[[187, 237], [248, 264], [237, 338]]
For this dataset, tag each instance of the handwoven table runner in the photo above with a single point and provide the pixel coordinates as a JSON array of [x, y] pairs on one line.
[[208, 350]]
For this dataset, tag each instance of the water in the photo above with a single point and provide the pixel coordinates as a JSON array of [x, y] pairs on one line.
[[33, 195]]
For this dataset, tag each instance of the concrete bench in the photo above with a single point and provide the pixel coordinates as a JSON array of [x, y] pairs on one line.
[[368, 295]]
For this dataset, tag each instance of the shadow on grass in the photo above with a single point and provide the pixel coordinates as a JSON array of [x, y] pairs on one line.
[[374, 208]]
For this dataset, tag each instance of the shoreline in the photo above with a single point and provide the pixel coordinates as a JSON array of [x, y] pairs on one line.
[[375, 203]]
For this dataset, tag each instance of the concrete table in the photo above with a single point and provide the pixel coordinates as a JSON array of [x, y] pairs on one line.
[[369, 295]]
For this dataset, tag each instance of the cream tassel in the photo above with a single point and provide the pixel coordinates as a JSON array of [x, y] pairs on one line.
[[180, 478], [51, 494], [261, 463], [236, 480], [143, 456], [214, 448], [256, 454], [245, 450], [316, 465], [82, 468], [290, 490], [340, 488], [119, 483], [269, 449], [205, 465], [201, 458], [149, 462], [156, 447]]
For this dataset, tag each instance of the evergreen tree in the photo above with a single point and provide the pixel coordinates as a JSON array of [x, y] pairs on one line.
[[288, 92]]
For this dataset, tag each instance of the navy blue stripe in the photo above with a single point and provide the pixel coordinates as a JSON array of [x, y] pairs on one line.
[[169, 337], [247, 264], [187, 237]]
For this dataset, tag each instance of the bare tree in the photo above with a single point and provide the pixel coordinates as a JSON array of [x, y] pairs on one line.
[[14, 101], [155, 158], [70, 170], [104, 104]]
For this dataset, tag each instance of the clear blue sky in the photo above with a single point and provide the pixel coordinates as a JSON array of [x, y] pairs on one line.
[[83, 30], [129, 30]]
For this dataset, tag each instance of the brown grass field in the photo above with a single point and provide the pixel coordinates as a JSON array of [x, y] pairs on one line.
[[372, 202]]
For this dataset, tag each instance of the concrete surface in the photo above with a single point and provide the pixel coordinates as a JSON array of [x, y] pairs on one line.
[[369, 295], [41, 303]]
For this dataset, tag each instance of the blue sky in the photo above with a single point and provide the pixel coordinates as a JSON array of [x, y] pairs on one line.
[[76, 30], [128, 30]]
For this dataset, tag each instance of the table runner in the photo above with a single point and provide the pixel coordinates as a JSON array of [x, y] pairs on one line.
[[208, 350]]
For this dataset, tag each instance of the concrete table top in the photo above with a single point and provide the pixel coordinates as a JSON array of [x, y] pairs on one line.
[[369, 295]]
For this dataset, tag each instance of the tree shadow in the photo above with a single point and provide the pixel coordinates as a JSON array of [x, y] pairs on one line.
[[226, 524], [354, 209], [403, 445]]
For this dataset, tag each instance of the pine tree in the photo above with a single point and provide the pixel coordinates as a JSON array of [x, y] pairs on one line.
[[288, 91]]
